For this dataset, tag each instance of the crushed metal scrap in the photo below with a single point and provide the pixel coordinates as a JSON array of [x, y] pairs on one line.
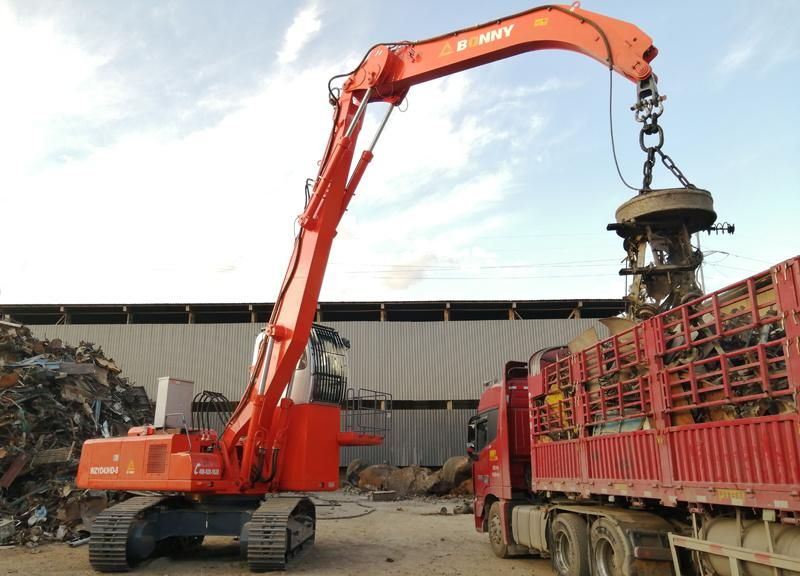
[[53, 397], [454, 478]]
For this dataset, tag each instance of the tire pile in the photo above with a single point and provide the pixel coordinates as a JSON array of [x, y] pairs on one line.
[[53, 397]]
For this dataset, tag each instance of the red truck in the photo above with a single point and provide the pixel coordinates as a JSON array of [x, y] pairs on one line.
[[670, 444]]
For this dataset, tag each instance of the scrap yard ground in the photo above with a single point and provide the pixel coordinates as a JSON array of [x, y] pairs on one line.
[[402, 538]]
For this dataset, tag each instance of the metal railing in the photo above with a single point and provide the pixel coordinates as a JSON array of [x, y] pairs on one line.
[[734, 554], [367, 412]]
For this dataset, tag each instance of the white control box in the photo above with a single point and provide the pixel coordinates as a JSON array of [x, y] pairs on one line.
[[174, 403]]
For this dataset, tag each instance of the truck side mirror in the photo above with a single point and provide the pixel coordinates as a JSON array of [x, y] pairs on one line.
[[471, 453]]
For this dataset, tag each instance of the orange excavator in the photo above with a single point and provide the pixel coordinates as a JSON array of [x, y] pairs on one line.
[[200, 482]]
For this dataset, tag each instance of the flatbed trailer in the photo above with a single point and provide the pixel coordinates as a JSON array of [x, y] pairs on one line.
[[685, 423]]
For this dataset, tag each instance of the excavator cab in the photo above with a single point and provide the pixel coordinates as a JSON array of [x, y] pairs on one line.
[[322, 371], [321, 377]]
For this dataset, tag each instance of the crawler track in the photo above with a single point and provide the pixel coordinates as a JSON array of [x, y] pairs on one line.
[[278, 530], [108, 546]]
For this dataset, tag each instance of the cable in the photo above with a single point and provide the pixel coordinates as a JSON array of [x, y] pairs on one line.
[[309, 186], [490, 278], [350, 516], [330, 502], [560, 264], [611, 127], [399, 268], [402, 271], [738, 268], [607, 44], [334, 98], [207, 404], [604, 234], [760, 261]]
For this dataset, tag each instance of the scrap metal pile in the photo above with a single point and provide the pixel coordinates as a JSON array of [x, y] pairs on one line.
[[723, 359], [53, 397], [454, 478], [725, 355]]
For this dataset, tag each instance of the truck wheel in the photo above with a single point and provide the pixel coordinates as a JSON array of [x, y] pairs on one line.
[[613, 553], [570, 545], [495, 525]]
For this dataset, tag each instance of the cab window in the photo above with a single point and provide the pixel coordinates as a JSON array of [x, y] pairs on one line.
[[485, 428]]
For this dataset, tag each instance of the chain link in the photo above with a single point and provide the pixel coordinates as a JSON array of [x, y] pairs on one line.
[[647, 112], [647, 169], [672, 167]]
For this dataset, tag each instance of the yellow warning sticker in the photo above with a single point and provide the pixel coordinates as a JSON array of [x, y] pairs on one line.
[[131, 468], [540, 22], [730, 494], [446, 49]]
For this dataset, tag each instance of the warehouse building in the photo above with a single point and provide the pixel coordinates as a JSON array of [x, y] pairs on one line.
[[432, 357]]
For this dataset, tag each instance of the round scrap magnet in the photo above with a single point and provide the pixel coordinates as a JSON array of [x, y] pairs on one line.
[[669, 207]]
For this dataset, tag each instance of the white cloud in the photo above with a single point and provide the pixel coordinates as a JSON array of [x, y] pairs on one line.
[[438, 136], [736, 57], [382, 256], [153, 205], [47, 78], [549, 85], [209, 215], [767, 37], [163, 215], [536, 123], [304, 27]]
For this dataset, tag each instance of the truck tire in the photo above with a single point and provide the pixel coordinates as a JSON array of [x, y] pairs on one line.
[[569, 545], [612, 550], [495, 529]]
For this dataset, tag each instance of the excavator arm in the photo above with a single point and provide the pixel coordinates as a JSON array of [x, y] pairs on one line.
[[392, 69], [255, 433]]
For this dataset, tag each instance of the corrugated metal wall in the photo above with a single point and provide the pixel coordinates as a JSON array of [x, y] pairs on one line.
[[426, 437], [411, 361], [446, 360]]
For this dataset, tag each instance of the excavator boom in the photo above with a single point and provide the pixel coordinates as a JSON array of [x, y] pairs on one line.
[[385, 75]]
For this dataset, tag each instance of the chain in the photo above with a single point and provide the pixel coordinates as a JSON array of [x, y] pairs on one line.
[[647, 112], [650, 127], [672, 167], [647, 169]]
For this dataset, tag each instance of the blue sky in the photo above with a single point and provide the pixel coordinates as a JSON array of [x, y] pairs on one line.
[[156, 152]]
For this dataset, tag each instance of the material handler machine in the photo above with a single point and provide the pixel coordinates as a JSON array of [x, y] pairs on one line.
[[284, 436]]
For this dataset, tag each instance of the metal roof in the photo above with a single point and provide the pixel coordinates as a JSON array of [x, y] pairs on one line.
[[222, 313]]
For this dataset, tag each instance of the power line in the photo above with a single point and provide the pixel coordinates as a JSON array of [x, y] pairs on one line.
[[463, 269], [553, 235], [748, 270], [603, 262], [491, 278], [759, 260]]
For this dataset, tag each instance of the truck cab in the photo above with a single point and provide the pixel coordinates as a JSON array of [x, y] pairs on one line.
[[499, 446]]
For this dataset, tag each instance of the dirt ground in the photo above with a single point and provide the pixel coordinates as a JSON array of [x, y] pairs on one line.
[[407, 537]]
